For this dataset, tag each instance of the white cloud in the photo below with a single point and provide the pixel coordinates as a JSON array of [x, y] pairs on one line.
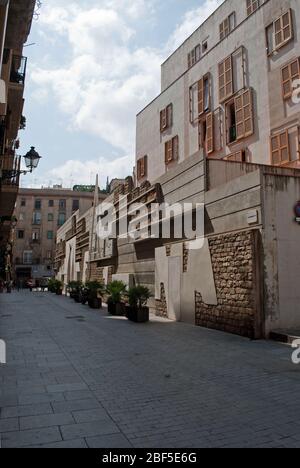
[[191, 21], [107, 79]]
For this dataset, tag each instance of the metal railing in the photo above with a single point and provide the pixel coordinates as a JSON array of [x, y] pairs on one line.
[[10, 166], [18, 69]]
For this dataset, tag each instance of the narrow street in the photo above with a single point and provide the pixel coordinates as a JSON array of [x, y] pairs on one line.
[[78, 378]]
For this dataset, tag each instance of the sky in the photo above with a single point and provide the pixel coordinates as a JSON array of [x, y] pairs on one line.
[[92, 66]]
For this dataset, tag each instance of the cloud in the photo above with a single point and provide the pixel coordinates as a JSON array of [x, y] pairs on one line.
[[108, 76], [191, 21]]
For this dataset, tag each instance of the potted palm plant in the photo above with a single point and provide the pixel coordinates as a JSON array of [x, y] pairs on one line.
[[58, 286], [137, 311], [51, 285], [116, 291], [94, 293], [75, 290]]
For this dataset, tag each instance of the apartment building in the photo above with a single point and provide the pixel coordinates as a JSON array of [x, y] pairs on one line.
[[223, 134], [15, 24], [40, 213]]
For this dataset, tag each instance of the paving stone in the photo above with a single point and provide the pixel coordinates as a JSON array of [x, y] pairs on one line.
[[90, 415], [66, 387], [7, 425], [65, 444], [30, 438], [27, 410], [108, 441], [89, 429], [40, 398], [76, 405], [45, 420]]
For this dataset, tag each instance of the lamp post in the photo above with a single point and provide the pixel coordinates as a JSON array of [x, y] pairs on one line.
[[32, 159]]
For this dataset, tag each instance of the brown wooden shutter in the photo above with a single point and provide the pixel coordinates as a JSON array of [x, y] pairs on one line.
[[142, 167], [201, 96], [163, 120], [289, 74], [283, 29], [168, 152], [175, 150], [225, 79], [244, 115], [280, 149], [210, 133], [238, 156]]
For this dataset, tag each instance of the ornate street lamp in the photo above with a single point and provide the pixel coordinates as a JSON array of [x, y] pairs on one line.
[[32, 159]]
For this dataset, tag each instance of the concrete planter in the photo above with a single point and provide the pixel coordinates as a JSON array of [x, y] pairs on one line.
[[95, 303], [137, 315], [116, 309]]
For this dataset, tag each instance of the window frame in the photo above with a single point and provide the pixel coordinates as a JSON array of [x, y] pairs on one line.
[[227, 82], [172, 150], [280, 148], [226, 27], [166, 118], [142, 167], [250, 6], [291, 78]]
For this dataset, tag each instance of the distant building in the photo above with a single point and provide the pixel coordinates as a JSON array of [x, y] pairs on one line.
[[40, 213]]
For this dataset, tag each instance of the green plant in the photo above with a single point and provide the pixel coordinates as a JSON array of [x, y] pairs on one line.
[[116, 291], [51, 285], [138, 296], [94, 289], [58, 286]]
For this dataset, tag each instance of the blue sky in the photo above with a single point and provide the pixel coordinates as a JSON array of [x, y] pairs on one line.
[[94, 64]]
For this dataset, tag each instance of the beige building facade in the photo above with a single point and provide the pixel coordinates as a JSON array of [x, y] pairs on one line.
[[40, 213]]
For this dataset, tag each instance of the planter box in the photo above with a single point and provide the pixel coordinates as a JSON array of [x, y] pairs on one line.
[[59, 293], [76, 297], [116, 309], [137, 315], [95, 303]]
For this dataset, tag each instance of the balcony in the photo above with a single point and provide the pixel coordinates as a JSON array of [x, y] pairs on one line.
[[18, 70], [9, 183], [3, 122]]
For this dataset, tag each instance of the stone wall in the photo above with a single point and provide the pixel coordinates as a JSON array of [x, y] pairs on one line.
[[97, 272], [161, 305], [235, 272]]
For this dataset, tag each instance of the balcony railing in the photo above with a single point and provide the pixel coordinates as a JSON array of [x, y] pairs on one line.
[[18, 69], [3, 122], [10, 169]]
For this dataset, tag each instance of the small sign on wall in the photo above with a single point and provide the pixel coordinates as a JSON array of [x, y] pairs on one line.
[[297, 212], [252, 217]]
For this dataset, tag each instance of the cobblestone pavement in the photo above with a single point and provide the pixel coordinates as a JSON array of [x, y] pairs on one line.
[[77, 378]]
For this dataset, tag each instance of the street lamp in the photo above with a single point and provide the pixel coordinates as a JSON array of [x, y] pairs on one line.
[[32, 159]]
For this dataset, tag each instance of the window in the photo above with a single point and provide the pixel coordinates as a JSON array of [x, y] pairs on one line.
[[51, 203], [20, 234], [62, 204], [239, 117], [205, 46], [289, 74], [50, 235], [22, 217], [37, 204], [172, 150], [210, 133], [199, 98], [280, 32], [23, 202], [75, 205], [194, 56], [252, 6], [142, 168], [280, 149], [227, 26], [36, 235], [238, 156], [166, 118], [50, 217], [27, 257], [61, 219], [225, 79], [37, 218]]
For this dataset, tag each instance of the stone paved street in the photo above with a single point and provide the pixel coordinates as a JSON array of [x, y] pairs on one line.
[[77, 378]]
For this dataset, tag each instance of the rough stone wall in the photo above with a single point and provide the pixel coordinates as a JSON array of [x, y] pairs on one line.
[[185, 257], [97, 273], [233, 260], [161, 305]]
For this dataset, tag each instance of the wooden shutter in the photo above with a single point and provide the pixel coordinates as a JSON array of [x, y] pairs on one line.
[[222, 32], [252, 6], [290, 73], [283, 29], [175, 145], [201, 96], [189, 60], [280, 149], [225, 79], [210, 133], [244, 115], [238, 156], [168, 152], [142, 168], [163, 120]]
